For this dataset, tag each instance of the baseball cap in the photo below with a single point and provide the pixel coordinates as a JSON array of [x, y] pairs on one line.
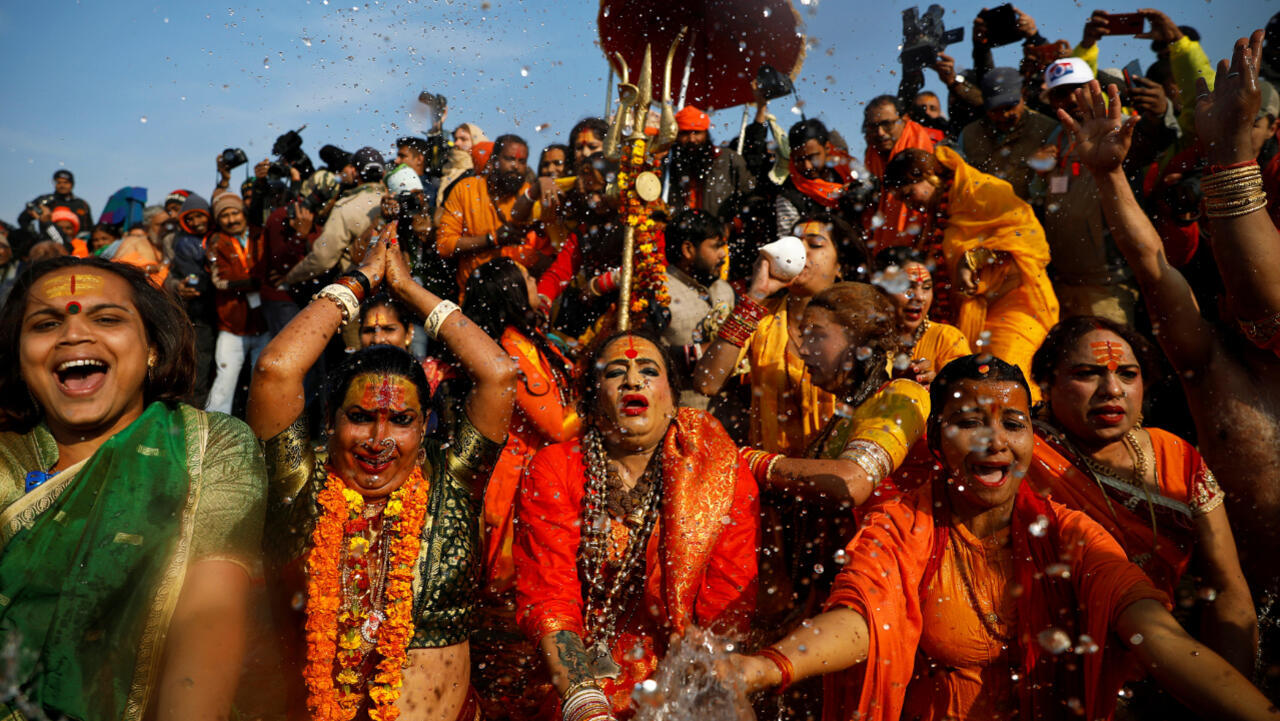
[[1067, 71], [368, 162], [1000, 87], [403, 180], [64, 174]]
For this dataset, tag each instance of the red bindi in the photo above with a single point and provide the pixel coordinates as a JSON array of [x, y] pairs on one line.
[[73, 307], [984, 368], [631, 351]]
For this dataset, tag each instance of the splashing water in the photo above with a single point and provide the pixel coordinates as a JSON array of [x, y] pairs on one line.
[[685, 687]]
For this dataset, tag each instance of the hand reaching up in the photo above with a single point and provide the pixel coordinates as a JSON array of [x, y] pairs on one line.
[[1225, 115], [1101, 135]]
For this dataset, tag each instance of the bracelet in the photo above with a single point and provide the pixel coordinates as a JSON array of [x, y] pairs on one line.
[[768, 470], [437, 316], [585, 704], [341, 296], [352, 285], [605, 283], [1233, 166], [741, 323], [759, 463], [527, 196], [873, 459], [360, 278], [1259, 203], [783, 663]]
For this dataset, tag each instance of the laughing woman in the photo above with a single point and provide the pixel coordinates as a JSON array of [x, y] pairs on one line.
[[129, 522], [974, 597], [645, 526], [373, 551]]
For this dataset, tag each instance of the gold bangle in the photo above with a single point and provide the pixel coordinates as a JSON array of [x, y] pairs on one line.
[[1259, 204]]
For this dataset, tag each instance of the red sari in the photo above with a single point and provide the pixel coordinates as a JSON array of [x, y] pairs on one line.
[[892, 579], [700, 561]]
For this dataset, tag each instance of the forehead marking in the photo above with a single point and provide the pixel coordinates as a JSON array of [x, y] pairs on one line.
[[1107, 353]]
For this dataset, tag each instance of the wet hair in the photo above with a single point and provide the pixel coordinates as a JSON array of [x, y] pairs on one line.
[[416, 144], [589, 380], [976, 367], [879, 100], [382, 300], [505, 140], [864, 309], [378, 359], [912, 166], [168, 331], [497, 297], [692, 225], [806, 130], [899, 256], [851, 252], [1065, 335]]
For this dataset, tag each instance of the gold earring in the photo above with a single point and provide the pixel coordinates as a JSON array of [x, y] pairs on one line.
[[151, 360]]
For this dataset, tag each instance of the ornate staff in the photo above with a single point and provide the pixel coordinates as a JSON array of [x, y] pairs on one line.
[[637, 184]]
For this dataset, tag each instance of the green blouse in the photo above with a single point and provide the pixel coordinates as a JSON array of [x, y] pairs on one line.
[[449, 560]]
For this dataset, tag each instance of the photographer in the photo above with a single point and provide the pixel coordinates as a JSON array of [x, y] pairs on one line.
[[41, 209], [289, 233], [354, 216]]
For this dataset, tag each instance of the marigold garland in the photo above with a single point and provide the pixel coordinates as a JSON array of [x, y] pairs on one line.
[[649, 273], [333, 633]]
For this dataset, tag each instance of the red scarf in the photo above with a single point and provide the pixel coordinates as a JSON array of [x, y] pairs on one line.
[[821, 191]]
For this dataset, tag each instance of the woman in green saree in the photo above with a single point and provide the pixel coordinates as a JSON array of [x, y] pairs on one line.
[[129, 522], [372, 549]]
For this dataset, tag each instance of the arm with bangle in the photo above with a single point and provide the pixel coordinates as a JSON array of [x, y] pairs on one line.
[[721, 357], [830, 642], [840, 479]]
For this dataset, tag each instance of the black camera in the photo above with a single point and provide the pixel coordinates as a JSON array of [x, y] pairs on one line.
[[410, 204], [1002, 25], [924, 37], [772, 83], [278, 177], [288, 147], [437, 103], [233, 158]]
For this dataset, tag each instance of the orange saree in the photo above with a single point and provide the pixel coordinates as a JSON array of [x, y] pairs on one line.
[[700, 561], [1186, 489], [1075, 581]]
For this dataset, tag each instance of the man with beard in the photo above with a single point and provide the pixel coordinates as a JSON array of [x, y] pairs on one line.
[[477, 222], [700, 300], [1002, 141], [41, 208], [353, 217], [699, 174]]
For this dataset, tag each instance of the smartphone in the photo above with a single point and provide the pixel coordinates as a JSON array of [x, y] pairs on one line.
[[1131, 71], [1002, 25], [1125, 24]]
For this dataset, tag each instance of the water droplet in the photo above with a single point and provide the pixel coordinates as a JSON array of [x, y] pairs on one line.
[[524, 71], [143, 119], [1135, 639], [1054, 640], [1039, 527]]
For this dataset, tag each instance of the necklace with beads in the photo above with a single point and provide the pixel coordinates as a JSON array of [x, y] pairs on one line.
[[605, 599]]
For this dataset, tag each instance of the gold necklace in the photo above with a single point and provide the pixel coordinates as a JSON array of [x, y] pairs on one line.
[[1138, 479], [915, 340]]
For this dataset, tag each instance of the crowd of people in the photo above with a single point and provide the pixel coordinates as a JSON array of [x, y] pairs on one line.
[[982, 425]]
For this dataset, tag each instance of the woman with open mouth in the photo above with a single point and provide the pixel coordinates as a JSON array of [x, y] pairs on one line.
[[373, 548], [975, 597], [644, 526], [130, 522], [924, 345], [1149, 488]]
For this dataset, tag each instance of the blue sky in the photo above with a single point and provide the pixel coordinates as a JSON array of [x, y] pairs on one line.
[[141, 93]]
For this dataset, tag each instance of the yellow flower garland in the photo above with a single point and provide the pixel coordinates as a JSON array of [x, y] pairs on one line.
[[403, 519], [650, 272]]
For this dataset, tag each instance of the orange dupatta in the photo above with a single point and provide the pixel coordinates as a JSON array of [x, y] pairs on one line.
[[1054, 470], [898, 551]]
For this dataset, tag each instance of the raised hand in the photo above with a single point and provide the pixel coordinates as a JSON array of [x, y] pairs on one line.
[[1225, 115], [374, 263], [1101, 135]]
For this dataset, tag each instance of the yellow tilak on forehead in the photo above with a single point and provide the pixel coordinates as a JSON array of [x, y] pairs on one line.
[[813, 227], [379, 317], [71, 284]]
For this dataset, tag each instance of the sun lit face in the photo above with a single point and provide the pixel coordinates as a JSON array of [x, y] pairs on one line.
[[635, 403], [382, 326], [826, 350], [1096, 393], [914, 293], [83, 351], [377, 433], [822, 262], [986, 441]]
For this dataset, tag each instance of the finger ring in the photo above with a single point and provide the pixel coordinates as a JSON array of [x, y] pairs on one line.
[[1233, 75]]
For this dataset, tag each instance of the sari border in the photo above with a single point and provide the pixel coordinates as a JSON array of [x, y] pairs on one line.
[[155, 631], [22, 513]]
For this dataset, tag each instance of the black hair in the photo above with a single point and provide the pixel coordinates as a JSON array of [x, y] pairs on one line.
[[927, 94], [505, 140], [496, 297], [112, 229], [382, 300], [806, 130], [589, 379], [168, 331], [899, 256], [597, 126], [912, 166], [866, 308], [851, 251], [976, 367], [568, 154], [879, 100], [379, 359], [414, 143], [693, 225], [1064, 336]]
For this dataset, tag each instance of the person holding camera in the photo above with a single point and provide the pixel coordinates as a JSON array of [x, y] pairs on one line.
[[41, 209], [484, 216], [353, 217]]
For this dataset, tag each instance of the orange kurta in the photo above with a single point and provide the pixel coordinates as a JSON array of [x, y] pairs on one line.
[[895, 218], [1186, 489], [985, 213], [470, 211], [899, 578], [700, 565]]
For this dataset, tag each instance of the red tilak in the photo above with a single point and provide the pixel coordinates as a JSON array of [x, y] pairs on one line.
[[631, 348], [1107, 353]]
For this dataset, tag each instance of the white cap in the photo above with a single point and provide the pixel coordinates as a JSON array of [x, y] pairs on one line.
[[1067, 71], [403, 180]]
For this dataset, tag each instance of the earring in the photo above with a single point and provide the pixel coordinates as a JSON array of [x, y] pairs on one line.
[[151, 359], [1138, 423]]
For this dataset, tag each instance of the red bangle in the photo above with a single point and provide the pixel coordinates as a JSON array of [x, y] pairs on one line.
[[1242, 164], [353, 285], [783, 663]]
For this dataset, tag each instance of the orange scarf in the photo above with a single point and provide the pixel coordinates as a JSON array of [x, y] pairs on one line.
[[898, 551], [823, 192]]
